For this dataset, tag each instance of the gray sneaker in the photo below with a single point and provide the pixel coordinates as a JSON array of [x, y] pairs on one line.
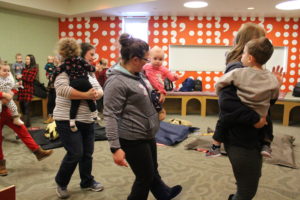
[[96, 187], [213, 152], [266, 151], [62, 192]]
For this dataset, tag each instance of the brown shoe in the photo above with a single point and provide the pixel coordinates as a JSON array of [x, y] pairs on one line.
[[41, 154], [49, 120], [3, 170]]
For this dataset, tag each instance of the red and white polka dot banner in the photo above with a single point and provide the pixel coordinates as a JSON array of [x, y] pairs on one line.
[[103, 32]]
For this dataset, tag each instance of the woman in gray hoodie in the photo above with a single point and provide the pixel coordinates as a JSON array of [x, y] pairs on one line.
[[132, 121]]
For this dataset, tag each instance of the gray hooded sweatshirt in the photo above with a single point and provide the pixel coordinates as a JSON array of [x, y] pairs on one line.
[[128, 111]]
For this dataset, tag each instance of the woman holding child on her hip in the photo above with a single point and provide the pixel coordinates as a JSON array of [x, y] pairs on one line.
[[242, 129], [78, 142], [132, 121]]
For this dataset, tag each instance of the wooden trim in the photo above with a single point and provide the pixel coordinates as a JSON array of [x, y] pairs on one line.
[[287, 105]]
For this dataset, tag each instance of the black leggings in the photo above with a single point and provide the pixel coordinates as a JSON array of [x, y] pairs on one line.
[[25, 109], [246, 165], [142, 158], [51, 101], [82, 85]]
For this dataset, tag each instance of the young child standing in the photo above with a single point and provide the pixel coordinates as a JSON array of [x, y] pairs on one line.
[[52, 63], [7, 83], [18, 67], [156, 73], [49, 67], [78, 70], [256, 87]]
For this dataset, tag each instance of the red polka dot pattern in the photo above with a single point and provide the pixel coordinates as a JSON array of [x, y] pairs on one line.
[[103, 32]]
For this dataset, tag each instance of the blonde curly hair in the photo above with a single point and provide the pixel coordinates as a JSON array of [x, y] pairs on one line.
[[68, 47]]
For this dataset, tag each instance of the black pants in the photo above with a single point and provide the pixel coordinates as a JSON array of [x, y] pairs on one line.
[[25, 109], [80, 147], [246, 165], [142, 158], [82, 85], [51, 101]]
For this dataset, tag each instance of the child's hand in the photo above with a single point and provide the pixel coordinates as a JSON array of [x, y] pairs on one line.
[[162, 98], [261, 123], [7, 96], [176, 76], [19, 76], [278, 73]]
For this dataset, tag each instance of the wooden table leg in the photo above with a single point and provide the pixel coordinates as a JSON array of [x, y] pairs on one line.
[[203, 106], [286, 112], [184, 101], [44, 107]]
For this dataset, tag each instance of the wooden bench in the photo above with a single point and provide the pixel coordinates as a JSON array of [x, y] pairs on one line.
[[289, 102], [286, 99], [44, 105], [8, 193]]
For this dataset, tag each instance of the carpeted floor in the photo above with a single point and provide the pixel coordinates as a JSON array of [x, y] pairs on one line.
[[202, 178]]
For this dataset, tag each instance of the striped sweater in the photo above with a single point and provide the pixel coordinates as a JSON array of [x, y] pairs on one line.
[[63, 102]]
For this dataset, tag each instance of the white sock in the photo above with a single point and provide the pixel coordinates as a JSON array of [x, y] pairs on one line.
[[73, 125]]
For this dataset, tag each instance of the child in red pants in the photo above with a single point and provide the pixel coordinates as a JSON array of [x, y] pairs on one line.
[[6, 119]]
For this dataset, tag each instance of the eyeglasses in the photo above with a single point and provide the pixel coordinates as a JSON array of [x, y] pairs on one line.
[[147, 60]]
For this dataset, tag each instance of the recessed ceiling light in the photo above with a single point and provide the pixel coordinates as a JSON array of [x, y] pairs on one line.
[[289, 5], [195, 4], [251, 8]]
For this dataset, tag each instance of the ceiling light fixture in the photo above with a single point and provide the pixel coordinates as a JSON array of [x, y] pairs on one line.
[[195, 4], [289, 5], [251, 8]]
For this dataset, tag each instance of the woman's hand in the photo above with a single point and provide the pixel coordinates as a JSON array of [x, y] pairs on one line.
[[98, 94], [91, 94], [119, 158], [278, 73], [261, 123]]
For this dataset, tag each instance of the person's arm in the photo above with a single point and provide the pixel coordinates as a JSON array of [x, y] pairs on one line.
[[5, 95], [233, 110], [114, 103], [30, 75], [168, 74], [63, 89], [96, 86], [225, 80]]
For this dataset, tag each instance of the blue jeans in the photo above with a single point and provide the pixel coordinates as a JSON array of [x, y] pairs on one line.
[[80, 147]]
